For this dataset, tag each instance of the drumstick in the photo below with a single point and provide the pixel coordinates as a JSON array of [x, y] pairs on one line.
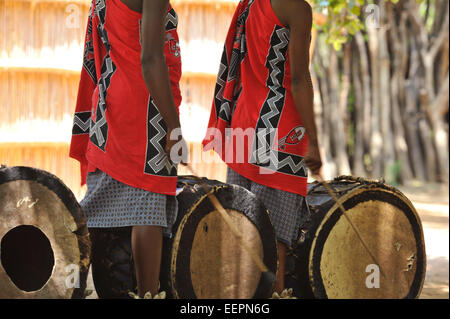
[[216, 203], [344, 212]]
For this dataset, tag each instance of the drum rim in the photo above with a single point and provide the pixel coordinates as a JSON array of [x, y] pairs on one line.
[[322, 232], [52, 182], [268, 240], [57, 186]]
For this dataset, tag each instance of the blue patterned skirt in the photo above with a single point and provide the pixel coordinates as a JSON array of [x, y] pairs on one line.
[[109, 203], [288, 211]]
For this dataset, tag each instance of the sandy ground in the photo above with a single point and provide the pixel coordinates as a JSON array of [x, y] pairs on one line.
[[432, 204]]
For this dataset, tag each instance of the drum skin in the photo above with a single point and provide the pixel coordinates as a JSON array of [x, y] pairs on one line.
[[329, 260], [203, 259], [45, 245]]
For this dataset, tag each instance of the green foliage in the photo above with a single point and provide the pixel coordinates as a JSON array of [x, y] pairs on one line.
[[393, 173], [344, 18], [427, 12]]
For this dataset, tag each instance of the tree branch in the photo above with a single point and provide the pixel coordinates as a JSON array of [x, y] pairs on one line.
[[417, 22], [440, 103], [442, 37]]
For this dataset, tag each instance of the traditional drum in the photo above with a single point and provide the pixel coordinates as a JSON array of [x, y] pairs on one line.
[[204, 259], [330, 261], [45, 246]]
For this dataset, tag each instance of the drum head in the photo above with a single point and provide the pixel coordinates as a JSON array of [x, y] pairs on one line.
[[208, 260], [340, 266], [44, 241], [203, 259]]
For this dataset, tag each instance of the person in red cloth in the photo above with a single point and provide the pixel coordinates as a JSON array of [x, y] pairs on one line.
[[262, 119], [126, 110]]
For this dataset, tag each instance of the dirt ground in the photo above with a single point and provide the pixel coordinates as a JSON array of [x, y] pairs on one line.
[[432, 204]]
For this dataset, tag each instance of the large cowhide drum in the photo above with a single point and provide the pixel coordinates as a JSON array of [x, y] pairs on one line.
[[45, 246], [330, 261], [204, 259]]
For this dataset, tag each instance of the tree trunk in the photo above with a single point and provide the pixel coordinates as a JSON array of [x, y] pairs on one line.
[[329, 169], [337, 123], [401, 148], [324, 139], [384, 97], [385, 105], [345, 85], [376, 147], [358, 153], [410, 117], [440, 134]]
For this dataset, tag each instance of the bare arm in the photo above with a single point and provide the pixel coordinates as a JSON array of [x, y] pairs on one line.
[[154, 68], [297, 15]]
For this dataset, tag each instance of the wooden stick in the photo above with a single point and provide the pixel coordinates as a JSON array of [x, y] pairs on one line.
[[216, 203], [344, 212], [236, 232]]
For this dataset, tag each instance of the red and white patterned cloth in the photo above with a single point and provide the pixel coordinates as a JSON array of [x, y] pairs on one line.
[[117, 127], [253, 91]]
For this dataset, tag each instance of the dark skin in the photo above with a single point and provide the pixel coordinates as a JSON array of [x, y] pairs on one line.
[[147, 240], [297, 16], [135, 5], [154, 68]]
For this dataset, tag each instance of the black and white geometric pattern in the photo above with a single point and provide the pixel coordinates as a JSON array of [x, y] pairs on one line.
[[240, 46], [81, 123], [98, 133], [222, 105], [157, 162], [171, 20], [264, 153], [100, 10], [99, 130], [229, 69], [88, 57]]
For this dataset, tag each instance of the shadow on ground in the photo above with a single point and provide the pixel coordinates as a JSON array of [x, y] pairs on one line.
[[432, 204]]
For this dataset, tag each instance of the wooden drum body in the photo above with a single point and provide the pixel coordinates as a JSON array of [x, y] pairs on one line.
[[330, 261], [203, 259], [45, 246]]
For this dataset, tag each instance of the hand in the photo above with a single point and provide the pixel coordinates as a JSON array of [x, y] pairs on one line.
[[180, 145], [313, 160]]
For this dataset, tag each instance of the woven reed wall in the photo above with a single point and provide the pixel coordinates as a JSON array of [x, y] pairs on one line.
[[42, 33], [28, 94], [41, 44], [206, 164], [38, 104], [202, 30], [52, 157], [49, 33]]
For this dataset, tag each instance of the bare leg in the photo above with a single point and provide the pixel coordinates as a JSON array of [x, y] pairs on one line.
[[146, 243], [279, 284]]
